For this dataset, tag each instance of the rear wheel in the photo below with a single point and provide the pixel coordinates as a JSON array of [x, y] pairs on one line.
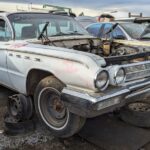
[[51, 110]]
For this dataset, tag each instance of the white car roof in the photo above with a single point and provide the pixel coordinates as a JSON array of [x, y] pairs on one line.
[[5, 14], [108, 22]]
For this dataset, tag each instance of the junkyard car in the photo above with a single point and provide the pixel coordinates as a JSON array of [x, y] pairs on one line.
[[53, 60], [125, 37]]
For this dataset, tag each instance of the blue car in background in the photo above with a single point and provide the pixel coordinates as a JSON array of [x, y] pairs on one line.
[[123, 37], [124, 30]]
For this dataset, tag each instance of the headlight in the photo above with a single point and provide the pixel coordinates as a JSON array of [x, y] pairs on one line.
[[120, 76], [102, 80], [117, 75]]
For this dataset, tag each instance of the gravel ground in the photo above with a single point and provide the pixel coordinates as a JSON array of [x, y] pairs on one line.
[[40, 140]]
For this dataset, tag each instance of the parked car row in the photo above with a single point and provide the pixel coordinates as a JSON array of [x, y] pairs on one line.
[[69, 74]]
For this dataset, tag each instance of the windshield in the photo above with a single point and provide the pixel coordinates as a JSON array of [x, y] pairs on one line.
[[137, 31], [30, 25]]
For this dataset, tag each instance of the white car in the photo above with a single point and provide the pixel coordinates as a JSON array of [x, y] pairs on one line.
[[53, 60]]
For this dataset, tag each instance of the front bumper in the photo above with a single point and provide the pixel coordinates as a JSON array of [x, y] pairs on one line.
[[91, 105]]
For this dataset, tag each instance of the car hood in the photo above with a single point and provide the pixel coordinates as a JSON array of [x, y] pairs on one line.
[[63, 38], [57, 52], [134, 42]]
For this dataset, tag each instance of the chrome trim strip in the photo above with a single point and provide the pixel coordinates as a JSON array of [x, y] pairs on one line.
[[109, 96], [137, 93], [137, 86], [136, 64], [79, 94], [119, 92], [58, 57], [138, 74], [94, 99]]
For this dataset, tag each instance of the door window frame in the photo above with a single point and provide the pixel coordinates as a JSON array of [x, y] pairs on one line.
[[9, 28]]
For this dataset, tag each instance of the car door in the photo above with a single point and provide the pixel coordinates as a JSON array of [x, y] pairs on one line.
[[5, 37]]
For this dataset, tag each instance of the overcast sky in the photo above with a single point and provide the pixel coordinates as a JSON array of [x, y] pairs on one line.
[[97, 6]]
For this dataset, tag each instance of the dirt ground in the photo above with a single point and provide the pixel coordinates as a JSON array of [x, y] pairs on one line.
[[40, 140]]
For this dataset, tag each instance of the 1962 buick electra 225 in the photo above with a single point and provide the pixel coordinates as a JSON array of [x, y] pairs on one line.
[[58, 68]]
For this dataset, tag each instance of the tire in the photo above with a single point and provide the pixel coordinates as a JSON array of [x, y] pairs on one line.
[[51, 111], [137, 114], [20, 107], [14, 128]]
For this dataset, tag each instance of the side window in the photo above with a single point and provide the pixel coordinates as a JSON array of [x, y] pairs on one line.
[[5, 34], [118, 34], [94, 29], [18, 27], [106, 29], [66, 26]]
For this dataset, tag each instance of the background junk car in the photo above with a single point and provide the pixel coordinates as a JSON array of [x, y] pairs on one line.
[[126, 37], [52, 60]]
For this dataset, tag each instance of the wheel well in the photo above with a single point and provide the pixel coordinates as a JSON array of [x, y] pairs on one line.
[[33, 78]]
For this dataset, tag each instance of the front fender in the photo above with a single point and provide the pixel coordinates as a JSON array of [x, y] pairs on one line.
[[72, 67]]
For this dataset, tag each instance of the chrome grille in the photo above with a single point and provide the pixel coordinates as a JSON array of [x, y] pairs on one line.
[[137, 70]]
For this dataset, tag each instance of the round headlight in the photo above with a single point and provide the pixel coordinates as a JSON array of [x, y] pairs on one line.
[[120, 76], [102, 80]]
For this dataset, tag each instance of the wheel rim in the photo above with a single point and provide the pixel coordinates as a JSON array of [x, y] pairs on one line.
[[15, 107], [52, 110], [139, 107]]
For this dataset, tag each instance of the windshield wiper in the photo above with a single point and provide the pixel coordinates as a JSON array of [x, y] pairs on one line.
[[43, 30], [45, 37], [112, 28]]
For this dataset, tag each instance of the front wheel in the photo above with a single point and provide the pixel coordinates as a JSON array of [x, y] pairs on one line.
[[51, 110], [137, 113]]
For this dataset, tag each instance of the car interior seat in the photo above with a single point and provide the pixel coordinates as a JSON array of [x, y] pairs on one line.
[[28, 32]]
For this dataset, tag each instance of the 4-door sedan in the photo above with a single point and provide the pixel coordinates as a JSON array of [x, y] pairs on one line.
[[52, 63]]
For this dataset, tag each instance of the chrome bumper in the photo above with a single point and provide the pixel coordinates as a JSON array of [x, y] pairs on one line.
[[96, 104]]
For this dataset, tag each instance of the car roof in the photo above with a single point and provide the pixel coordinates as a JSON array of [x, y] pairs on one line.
[[108, 22], [5, 14]]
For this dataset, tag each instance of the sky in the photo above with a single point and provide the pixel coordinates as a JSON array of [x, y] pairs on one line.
[[96, 7]]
